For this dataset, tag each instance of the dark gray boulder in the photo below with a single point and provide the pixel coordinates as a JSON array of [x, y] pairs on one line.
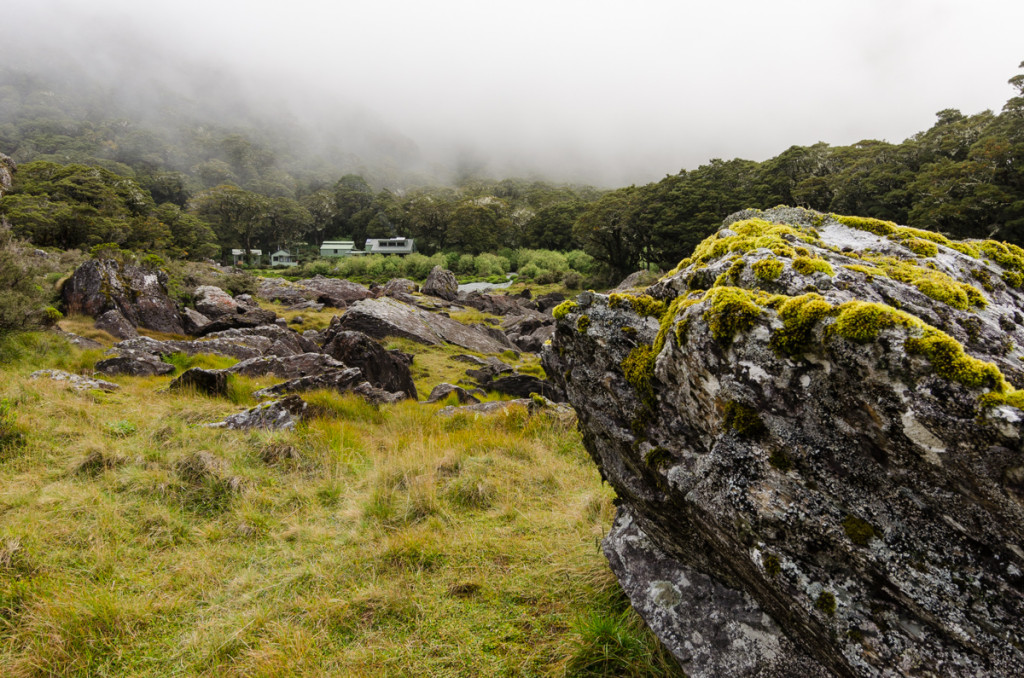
[[401, 289], [134, 364], [489, 370], [813, 477], [498, 304], [207, 382], [193, 321], [442, 391], [116, 325], [384, 369], [524, 385], [441, 283], [139, 294], [215, 303]]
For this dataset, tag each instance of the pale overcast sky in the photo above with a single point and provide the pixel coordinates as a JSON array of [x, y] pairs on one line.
[[612, 92]]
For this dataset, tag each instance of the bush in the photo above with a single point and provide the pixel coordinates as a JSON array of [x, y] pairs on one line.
[[529, 272], [573, 280], [22, 297], [544, 259], [580, 261], [490, 264]]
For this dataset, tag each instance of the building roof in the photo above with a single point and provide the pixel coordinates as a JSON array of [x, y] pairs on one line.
[[241, 253], [280, 252], [390, 245], [339, 245]]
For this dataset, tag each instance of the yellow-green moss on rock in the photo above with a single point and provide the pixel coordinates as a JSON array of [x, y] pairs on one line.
[[743, 419], [564, 309], [638, 369], [642, 304], [768, 269], [809, 265], [730, 310], [799, 315]]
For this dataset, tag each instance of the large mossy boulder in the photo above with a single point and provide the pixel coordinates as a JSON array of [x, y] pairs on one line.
[[814, 431], [138, 293]]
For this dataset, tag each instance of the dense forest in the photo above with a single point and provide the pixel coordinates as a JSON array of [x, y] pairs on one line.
[[89, 174]]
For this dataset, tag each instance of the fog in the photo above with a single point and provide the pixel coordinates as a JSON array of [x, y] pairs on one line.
[[609, 93]]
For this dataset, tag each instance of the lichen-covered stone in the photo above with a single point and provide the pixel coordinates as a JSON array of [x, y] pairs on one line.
[[139, 294], [441, 283], [818, 473]]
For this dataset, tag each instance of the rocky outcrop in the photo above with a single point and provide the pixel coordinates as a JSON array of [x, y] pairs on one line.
[[243, 344], [529, 330], [386, 317], [215, 303], [388, 370], [525, 385], [341, 380], [497, 304], [227, 313], [134, 364], [116, 325], [75, 382], [441, 283], [139, 294], [279, 289], [287, 367], [193, 321], [442, 391], [818, 459], [401, 289], [335, 292], [280, 414]]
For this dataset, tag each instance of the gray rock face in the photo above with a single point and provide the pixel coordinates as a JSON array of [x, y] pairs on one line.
[[441, 283], [134, 364], [193, 321], [498, 304], [287, 367], [276, 415], [334, 292], [401, 289], [266, 340], [75, 381], [116, 325], [386, 317], [523, 385], [278, 289], [139, 294], [388, 370], [814, 477], [341, 380], [214, 303]]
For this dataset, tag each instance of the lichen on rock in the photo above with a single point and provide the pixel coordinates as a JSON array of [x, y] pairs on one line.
[[826, 459]]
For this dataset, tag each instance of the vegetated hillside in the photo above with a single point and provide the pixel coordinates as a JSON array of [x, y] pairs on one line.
[[813, 426]]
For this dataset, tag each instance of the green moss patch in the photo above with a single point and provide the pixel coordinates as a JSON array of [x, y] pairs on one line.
[[767, 269], [638, 369], [731, 310], [810, 265], [744, 420], [858, 530], [799, 315], [564, 309], [642, 304]]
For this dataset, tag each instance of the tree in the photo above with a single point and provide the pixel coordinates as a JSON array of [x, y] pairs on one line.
[[236, 214]]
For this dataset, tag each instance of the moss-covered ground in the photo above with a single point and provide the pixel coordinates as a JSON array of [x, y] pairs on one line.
[[367, 542]]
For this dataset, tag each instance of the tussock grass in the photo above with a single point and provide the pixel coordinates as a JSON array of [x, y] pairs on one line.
[[367, 541]]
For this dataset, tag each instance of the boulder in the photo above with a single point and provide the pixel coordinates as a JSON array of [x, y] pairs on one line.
[[280, 414], [279, 289], [818, 460], [335, 292], [193, 321], [287, 367], [75, 381], [401, 289], [442, 391], [139, 294], [478, 409], [384, 369], [116, 325], [546, 302], [215, 303], [378, 396], [243, 344], [75, 340], [524, 385], [441, 283], [497, 304], [341, 380], [387, 317], [207, 382], [489, 370], [134, 364]]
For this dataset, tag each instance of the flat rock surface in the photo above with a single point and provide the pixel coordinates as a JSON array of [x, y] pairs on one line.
[[75, 381], [386, 317]]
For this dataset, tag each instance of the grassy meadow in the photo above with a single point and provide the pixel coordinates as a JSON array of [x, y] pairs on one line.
[[367, 542]]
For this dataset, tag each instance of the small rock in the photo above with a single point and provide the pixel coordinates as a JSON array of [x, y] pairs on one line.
[[441, 283], [76, 381]]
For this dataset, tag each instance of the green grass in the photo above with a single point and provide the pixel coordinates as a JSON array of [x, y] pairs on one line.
[[366, 542]]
